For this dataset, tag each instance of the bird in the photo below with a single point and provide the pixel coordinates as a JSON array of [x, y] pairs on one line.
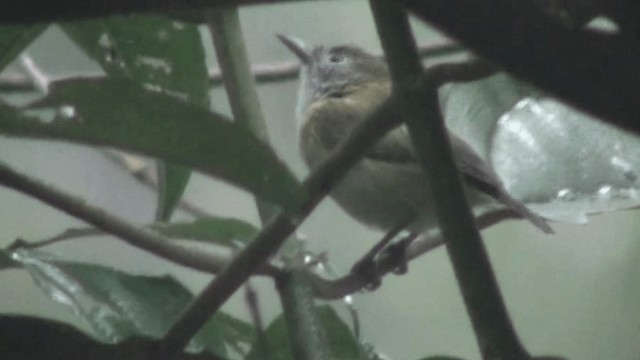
[[341, 86]]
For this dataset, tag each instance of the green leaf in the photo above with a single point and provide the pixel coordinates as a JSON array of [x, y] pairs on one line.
[[30, 338], [148, 49], [118, 306], [441, 357], [158, 52], [216, 230], [15, 38], [342, 344], [172, 182], [117, 112], [222, 231], [472, 109]]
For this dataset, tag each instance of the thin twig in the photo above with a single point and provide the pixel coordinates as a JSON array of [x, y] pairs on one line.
[[385, 264], [240, 85], [142, 172], [138, 237], [263, 73], [35, 76], [251, 298], [68, 234]]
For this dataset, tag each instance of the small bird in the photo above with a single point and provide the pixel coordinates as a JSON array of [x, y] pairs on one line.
[[340, 87]]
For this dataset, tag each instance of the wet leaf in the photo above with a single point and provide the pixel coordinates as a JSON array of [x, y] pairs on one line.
[[563, 163], [118, 305]]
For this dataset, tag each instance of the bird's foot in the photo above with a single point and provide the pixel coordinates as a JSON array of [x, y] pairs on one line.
[[367, 267]]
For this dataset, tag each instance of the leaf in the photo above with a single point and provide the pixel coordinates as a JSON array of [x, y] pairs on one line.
[[117, 112], [564, 164], [216, 230], [172, 182], [472, 109], [158, 52], [441, 357], [30, 338], [222, 231], [342, 344], [118, 306], [148, 49], [15, 38]]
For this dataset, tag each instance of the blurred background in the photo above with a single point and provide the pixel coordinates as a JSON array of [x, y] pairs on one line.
[[574, 293]]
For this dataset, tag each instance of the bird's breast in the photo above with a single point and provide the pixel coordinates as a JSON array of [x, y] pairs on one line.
[[329, 120]]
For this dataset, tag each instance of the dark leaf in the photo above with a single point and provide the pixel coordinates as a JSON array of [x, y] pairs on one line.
[[148, 49], [222, 231], [172, 181], [158, 52], [15, 38], [31, 338], [118, 306], [122, 114]]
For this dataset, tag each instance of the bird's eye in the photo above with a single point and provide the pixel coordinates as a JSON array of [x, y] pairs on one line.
[[337, 58]]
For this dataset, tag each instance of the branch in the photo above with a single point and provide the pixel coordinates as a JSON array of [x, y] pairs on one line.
[[593, 71], [317, 185], [385, 264], [228, 42], [262, 73], [294, 289], [137, 237], [29, 11], [494, 331], [307, 337], [141, 172]]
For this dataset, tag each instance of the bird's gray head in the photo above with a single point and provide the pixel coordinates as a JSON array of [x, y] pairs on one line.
[[332, 71]]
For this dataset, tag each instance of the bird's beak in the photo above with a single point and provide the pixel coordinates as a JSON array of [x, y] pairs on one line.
[[297, 46]]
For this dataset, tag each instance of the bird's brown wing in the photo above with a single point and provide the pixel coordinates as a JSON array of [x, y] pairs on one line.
[[396, 147]]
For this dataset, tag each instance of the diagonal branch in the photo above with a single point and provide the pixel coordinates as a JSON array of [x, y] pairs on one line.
[[385, 264], [263, 73], [240, 85], [317, 186], [138, 237]]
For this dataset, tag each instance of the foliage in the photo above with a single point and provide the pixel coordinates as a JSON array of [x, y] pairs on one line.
[[153, 99]]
